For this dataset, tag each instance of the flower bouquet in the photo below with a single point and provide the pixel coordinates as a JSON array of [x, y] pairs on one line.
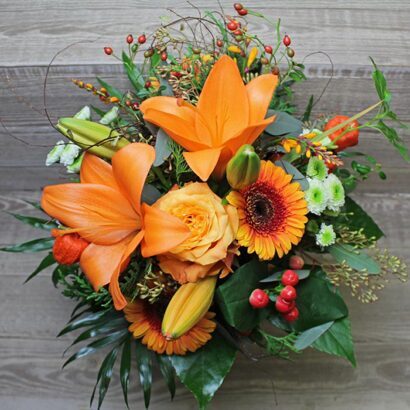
[[206, 217]]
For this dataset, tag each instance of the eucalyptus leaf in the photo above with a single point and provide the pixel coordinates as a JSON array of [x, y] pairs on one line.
[[306, 338], [144, 365], [337, 340], [162, 148], [356, 259], [36, 245], [284, 124], [296, 174], [276, 277], [44, 264], [204, 371], [150, 194]]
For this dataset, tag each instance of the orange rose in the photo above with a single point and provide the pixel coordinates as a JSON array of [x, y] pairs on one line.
[[209, 250]]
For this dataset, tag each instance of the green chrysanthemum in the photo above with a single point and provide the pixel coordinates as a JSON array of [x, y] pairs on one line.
[[316, 169], [326, 235], [316, 196], [335, 192]]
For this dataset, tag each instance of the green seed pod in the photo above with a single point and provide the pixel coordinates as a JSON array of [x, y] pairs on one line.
[[243, 169], [93, 137]]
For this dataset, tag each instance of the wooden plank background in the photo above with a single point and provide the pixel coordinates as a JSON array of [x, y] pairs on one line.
[[31, 32]]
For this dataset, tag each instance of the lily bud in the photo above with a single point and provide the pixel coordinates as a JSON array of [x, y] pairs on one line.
[[93, 137], [243, 169]]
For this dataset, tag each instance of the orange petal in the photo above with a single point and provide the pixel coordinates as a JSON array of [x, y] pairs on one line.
[[223, 102], [99, 262], [178, 128], [95, 170], [260, 91], [118, 298], [131, 165], [100, 214], [162, 231], [203, 162]]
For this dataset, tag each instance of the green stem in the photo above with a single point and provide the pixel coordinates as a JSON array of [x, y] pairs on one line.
[[160, 175]]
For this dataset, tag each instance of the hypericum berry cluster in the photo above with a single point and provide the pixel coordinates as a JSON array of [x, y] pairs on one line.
[[286, 300]]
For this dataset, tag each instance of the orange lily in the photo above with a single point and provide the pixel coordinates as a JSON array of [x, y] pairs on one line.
[[228, 115], [106, 210]]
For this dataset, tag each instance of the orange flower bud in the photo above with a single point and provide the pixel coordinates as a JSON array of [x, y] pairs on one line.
[[68, 248]]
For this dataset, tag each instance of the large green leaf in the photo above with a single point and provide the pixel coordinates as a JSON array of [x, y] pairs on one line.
[[354, 258], [337, 340], [284, 124], [358, 219], [39, 223], [36, 245], [168, 372], [45, 263], [233, 296], [204, 371], [318, 302], [144, 364], [125, 367]]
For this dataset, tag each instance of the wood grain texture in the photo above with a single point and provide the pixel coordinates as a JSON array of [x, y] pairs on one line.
[[32, 314]]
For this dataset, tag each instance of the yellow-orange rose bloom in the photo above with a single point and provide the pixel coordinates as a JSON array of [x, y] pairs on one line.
[[213, 226]]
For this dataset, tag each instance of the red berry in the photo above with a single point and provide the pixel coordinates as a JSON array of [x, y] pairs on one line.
[[288, 293], [147, 84], [269, 49], [219, 43], [108, 51], [290, 277], [296, 262], [292, 315], [135, 106], [284, 306], [232, 25], [287, 40], [275, 70], [243, 12], [237, 32], [142, 39], [130, 39], [238, 6], [259, 299], [164, 56]]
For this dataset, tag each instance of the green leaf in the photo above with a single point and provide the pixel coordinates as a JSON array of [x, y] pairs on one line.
[[284, 124], [306, 338], [112, 91], [233, 296], [34, 204], [308, 110], [144, 365], [203, 371], [277, 276], [337, 340], [104, 376], [125, 368], [394, 138], [354, 258], [45, 263], [381, 85], [162, 147], [358, 219], [318, 302], [297, 175], [168, 372], [35, 222], [133, 73], [36, 245], [116, 337]]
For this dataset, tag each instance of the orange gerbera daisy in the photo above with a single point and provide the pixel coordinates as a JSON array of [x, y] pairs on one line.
[[227, 116], [106, 210], [271, 213], [146, 320]]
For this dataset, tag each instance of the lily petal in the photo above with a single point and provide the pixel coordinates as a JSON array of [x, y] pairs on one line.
[[131, 165], [260, 91], [95, 170], [163, 231], [100, 214], [223, 102], [203, 162]]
